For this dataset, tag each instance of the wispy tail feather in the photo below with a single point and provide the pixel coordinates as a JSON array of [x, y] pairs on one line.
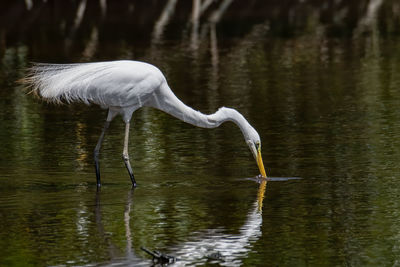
[[31, 80], [65, 82], [40, 77]]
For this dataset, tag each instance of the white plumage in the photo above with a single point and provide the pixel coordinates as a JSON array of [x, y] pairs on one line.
[[123, 87], [112, 83]]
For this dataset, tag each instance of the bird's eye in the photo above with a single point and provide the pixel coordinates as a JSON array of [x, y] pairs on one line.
[[257, 144]]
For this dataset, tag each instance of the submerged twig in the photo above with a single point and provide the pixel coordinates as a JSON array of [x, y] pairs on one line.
[[160, 258]]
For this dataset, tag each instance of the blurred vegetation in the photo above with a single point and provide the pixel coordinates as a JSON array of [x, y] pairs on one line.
[[78, 30]]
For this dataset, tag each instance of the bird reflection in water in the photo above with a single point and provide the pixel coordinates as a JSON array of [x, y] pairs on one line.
[[130, 258], [211, 245], [230, 249], [261, 194]]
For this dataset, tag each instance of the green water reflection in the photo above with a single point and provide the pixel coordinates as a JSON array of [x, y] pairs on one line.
[[320, 83]]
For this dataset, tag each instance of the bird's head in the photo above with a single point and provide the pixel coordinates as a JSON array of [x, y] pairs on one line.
[[254, 143], [250, 134]]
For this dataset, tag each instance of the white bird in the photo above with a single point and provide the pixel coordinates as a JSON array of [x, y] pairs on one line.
[[122, 87]]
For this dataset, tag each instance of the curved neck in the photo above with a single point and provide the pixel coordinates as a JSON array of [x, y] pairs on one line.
[[229, 114], [165, 100]]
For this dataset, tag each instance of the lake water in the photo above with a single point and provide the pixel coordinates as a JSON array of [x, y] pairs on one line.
[[320, 83]]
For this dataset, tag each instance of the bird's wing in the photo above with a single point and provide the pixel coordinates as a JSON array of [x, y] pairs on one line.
[[114, 83]]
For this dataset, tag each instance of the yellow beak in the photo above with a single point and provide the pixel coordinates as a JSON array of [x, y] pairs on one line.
[[260, 163]]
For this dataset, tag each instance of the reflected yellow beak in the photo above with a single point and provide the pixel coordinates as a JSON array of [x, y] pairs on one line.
[[260, 163], [261, 194]]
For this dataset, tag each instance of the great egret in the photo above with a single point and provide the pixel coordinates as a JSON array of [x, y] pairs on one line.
[[123, 87]]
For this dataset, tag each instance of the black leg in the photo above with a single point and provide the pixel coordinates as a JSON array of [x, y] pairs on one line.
[[96, 153], [125, 155]]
